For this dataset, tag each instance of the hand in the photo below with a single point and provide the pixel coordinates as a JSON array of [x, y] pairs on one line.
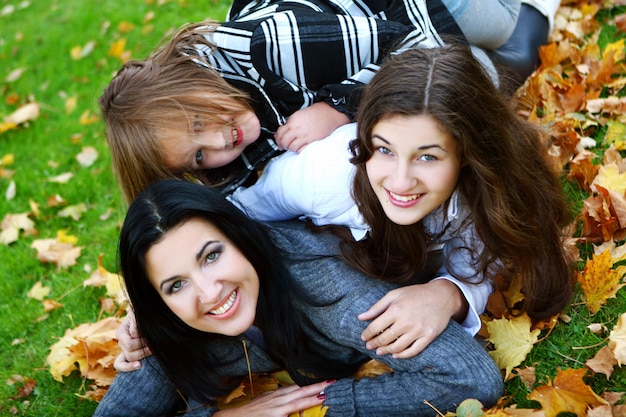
[[407, 319], [133, 347], [308, 125], [280, 403]]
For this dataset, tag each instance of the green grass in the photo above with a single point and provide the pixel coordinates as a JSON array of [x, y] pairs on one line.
[[39, 39]]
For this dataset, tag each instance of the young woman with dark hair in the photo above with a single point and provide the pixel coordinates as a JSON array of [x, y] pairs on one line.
[[217, 295]]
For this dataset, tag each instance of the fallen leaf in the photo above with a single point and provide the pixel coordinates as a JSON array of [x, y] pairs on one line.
[[11, 191], [27, 112], [14, 75], [12, 224], [617, 340], [513, 340], [90, 348], [87, 156], [567, 393], [62, 179], [599, 280], [27, 385], [75, 211], [38, 291], [59, 253], [603, 362], [49, 305]]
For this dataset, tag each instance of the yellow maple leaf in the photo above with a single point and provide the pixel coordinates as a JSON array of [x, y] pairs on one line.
[[513, 340], [90, 348], [599, 281], [610, 178], [567, 393], [617, 340], [615, 134]]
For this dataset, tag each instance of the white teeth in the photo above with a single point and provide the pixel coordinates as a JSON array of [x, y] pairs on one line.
[[229, 303], [404, 198]]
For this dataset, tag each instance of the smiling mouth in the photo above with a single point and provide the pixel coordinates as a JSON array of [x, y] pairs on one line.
[[404, 198], [226, 306], [237, 136]]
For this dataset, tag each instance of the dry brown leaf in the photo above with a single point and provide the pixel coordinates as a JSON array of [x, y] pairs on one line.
[[59, 253], [617, 340], [526, 375], [27, 112], [603, 362], [11, 226], [567, 393], [87, 156]]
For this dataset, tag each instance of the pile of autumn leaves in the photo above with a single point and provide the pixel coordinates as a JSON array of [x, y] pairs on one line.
[[574, 96]]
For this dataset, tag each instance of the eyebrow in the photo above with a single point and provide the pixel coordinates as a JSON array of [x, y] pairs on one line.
[[198, 256], [421, 148]]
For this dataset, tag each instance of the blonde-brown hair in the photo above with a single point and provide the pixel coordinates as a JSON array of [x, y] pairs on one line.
[[163, 95]]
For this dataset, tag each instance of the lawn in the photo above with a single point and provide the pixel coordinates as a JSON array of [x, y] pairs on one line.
[[55, 171]]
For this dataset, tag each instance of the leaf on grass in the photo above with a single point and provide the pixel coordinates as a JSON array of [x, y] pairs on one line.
[[11, 191], [113, 282], [603, 362], [14, 75], [87, 156], [567, 393], [12, 224], [513, 340], [599, 281], [90, 348], [87, 118], [27, 112], [26, 386], [513, 411], [527, 375], [62, 179], [62, 254], [75, 211], [49, 305], [617, 340], [610, 178], [38, 291], [70, 104], [79, 52]]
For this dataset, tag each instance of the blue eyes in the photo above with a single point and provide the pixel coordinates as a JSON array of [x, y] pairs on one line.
[[426, 157], [199, 157]]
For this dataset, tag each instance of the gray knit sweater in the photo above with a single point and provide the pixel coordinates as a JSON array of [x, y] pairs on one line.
[[452, 368]]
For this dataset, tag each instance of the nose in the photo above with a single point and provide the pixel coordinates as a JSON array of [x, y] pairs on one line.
[[208, 290], [403, 178]]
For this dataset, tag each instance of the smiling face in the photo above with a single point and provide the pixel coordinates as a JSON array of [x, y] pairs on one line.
[[211, 147], [204, 279], [414, 167]]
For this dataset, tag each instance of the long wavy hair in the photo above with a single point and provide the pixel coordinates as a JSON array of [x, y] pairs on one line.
[[516, 200], [184, 352], [161, 97]]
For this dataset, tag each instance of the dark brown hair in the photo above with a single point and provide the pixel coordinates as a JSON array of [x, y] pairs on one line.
[[517, 202]]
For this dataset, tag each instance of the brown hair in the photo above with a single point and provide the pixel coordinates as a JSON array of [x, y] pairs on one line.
[[162, 96], [517, 202]]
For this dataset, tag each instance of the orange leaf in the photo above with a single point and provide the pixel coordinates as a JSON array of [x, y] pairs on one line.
[[568, 393]]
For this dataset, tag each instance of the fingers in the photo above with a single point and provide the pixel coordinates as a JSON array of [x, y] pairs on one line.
[[289, 138], [122, 365]]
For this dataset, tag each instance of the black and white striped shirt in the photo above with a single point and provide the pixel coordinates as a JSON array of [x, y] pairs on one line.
[[288, 54]]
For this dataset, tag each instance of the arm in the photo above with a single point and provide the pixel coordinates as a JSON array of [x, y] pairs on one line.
[[315, 184]]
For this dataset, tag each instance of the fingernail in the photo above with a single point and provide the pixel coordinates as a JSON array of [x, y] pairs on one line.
[[136, 365], [321, 396], [330, 381]]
